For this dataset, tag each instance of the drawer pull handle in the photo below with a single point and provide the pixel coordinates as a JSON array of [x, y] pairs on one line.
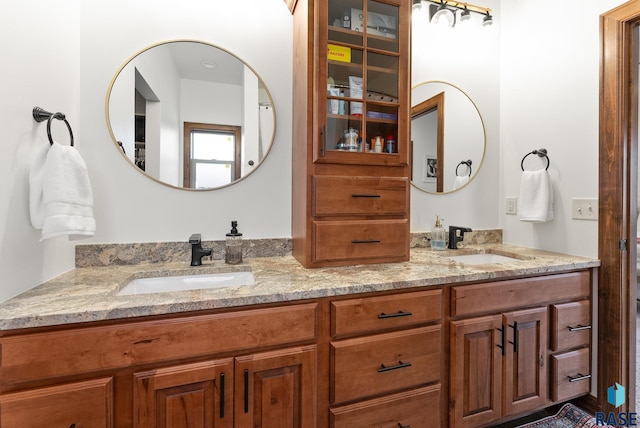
[[400, 365], [579, 377], [221, 395], [396, 315], [366, 241], [579, 327], [364, 195], [515, 336], [246, 391], [503, 341], [403, 426]]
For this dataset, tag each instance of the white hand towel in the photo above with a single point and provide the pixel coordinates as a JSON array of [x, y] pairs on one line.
[[66, 195], [36, 183], [536, 196], [460, 181]]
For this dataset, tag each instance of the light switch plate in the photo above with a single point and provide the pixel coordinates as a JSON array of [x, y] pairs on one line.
[[584, 209]]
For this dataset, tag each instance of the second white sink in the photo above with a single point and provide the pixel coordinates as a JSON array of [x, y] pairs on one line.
[[482, 259], [186, 282]]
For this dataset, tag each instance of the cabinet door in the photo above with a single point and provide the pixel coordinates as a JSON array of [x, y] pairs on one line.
[[276, 389], [526, 376], [197, 395], [86, 404], [476, 371]]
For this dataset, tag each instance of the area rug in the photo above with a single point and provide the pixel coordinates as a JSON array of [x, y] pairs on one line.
[[569, 416]]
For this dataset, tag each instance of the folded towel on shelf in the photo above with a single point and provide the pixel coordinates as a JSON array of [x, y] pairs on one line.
[[460, 181], [61, 198], [536, 196]]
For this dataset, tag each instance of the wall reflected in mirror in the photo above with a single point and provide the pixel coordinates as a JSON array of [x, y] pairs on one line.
[[448, 137], [190, 115]]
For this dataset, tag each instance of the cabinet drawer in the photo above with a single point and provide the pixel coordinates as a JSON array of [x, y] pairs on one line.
[[377, 313], [384, 363], [337, 195], [386, 240], [571, 325], [79, 350], [570, 374], [419, 408], [511, 294], [80, 404]]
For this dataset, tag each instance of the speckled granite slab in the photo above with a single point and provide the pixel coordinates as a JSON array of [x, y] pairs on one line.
[[166, 252], [90, 293]]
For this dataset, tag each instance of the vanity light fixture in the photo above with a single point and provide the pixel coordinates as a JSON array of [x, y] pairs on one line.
[[465, 15], [446, 10], [442, 13], [417, 6], [487, 20]]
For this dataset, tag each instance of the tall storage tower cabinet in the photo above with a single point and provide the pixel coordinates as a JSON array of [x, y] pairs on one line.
[[351, 112]]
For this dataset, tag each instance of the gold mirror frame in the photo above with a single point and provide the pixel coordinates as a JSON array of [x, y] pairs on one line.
[[262, 85], [430, 104]]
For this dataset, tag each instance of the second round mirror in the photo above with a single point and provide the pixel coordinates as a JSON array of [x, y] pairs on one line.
[[448, 137]]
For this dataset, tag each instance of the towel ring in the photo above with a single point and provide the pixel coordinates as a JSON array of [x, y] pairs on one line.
[[467, 163], [540, 153], [40, 115]]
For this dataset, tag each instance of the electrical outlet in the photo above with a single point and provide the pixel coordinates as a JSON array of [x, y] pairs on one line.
[[511, 205], [584, 208]]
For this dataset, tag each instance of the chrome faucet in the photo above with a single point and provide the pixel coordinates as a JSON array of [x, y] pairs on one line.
[[454, 238], [197, 252]]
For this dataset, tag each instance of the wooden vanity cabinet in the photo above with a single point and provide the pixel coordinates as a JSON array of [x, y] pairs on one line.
[[243, 368], [84, 404], [502, 360], [386, 361], [350, 204]]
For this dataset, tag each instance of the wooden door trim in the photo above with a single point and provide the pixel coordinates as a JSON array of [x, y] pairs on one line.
[[617, 185]]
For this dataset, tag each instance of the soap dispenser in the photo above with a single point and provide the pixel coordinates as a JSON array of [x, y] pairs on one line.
[[438, 236], [233, 253]]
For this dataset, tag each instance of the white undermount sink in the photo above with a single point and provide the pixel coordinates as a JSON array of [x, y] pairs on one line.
[[482, 259], [186, 282]]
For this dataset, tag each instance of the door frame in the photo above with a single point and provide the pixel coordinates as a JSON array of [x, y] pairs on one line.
[[618, 163]]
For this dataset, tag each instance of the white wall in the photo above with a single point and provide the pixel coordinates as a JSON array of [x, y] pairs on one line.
[[469, 59], [535, 85], [549, 99], [129, 206], [40, 67]]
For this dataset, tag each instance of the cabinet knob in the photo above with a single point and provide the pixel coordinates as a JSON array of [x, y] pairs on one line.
[[403, 426]]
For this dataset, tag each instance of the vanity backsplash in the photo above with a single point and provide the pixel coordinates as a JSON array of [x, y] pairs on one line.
[[88, 255]]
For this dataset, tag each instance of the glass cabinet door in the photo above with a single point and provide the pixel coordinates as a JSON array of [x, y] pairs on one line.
[[361, 77]]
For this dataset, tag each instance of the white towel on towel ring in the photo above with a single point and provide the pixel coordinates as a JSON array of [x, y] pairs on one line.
[[61, 198], [536, 196]]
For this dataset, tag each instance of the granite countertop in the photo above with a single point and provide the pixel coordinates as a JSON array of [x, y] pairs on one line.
[[90, 293]]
